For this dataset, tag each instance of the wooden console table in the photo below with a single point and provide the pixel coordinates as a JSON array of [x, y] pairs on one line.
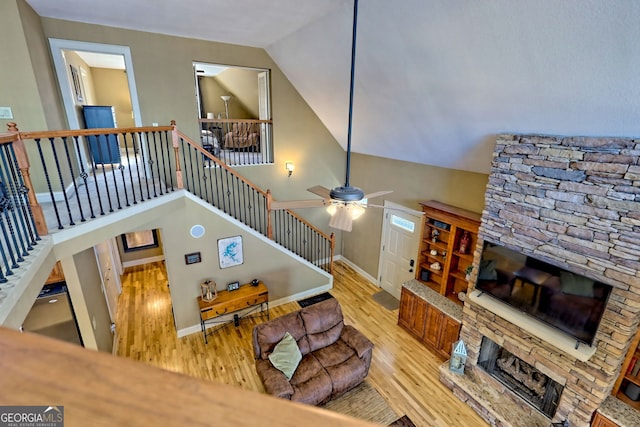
[[246, 297]]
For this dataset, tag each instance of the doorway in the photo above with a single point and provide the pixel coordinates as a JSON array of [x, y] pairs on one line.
[[399, 247], [74, 61]]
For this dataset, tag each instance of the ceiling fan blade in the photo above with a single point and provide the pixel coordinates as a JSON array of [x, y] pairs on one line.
[[377, 194], [320, 191], [297, 204], [341, 220]]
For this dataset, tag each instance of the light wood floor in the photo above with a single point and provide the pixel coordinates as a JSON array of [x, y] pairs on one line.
[[402, 370]]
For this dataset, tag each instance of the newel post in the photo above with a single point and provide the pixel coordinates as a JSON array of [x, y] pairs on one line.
[[269, 223], [24, 165], [176, 144]]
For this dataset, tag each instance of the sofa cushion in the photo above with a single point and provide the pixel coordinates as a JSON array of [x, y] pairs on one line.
[[333, 354], [267, 335], [323, 322], [286, 356], [311, 383], [348, 374]]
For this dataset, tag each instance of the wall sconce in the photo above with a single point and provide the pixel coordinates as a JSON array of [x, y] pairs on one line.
[[289, 167]]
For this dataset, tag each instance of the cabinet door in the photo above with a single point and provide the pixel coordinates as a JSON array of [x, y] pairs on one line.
[[449, 333], [432, 327], [602, 421], [418, 317], [406, 307]]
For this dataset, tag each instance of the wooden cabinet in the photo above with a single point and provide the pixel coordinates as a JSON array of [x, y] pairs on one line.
[[427, 323], [56, 274], [600, 420], [449, 238], [630, 373]]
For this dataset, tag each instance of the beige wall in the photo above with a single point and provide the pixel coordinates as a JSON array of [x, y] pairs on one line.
[[283, 275], [43, 72], [412, 183], [210, 92], [242, 84], [163, 67], [111, 88], [93, 298], [18, 83]]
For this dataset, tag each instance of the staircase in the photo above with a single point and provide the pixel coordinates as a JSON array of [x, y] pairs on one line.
[[73, 187]]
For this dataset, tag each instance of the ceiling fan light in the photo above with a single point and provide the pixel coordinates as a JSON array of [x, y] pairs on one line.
[[331, 209], [356, 210]]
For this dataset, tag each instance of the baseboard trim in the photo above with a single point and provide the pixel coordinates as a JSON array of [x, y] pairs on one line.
[[359, 270]]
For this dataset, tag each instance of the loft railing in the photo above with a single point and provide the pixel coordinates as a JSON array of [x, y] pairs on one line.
[[238, 142], [89, 173]]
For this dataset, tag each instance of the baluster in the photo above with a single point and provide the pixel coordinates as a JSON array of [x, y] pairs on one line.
[[25, 215], [138, 176], [144, 161], [17, 219], [73, 177], [152, 162], [61, 179], [46, 176], [84, 175]]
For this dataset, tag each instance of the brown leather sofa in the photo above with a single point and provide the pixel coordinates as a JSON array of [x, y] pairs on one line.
[[335, 357]]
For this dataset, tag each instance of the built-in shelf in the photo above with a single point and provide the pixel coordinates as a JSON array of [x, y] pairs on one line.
[[564, 342]]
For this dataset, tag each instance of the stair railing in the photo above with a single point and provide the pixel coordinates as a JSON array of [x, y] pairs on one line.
[[211, 179], [79, 180]]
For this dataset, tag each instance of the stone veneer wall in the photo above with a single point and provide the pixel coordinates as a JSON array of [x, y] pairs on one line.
[[573, 202]]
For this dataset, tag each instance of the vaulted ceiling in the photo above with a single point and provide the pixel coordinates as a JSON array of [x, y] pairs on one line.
[[436, 80]]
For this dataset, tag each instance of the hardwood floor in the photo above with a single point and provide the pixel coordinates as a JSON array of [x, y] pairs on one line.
[[402, 370]]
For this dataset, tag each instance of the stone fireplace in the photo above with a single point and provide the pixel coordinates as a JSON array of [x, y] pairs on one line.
[[572, 202]]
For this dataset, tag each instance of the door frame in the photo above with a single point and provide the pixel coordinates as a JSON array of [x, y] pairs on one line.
[[58, 45], [388, 208]]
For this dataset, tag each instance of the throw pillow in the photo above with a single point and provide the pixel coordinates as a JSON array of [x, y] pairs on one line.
[[286, 356], [574, 284]]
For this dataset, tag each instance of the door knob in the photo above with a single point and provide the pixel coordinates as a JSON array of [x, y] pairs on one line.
[[411, 263]]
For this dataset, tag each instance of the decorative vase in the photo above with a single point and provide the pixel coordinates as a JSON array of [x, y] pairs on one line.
[[465, 241]]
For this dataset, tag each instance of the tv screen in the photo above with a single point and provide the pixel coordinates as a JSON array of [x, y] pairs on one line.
[[567, 301]]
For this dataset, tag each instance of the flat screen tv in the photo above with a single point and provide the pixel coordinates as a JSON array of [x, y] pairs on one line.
[[567, 301]]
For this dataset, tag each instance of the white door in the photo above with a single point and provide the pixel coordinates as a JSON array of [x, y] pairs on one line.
[[400, 242], [111, 286]]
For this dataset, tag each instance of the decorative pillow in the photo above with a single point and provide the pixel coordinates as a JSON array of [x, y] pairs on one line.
[[487, 270], [286, 356], [576, 285]]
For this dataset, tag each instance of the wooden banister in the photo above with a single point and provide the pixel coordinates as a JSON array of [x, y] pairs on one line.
[[269, 221], [175, 138], [24, 165], [99, 389]]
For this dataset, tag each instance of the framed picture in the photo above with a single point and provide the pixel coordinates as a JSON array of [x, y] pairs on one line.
[[139, 240], [230, 251], [192, 258], [77, 83]]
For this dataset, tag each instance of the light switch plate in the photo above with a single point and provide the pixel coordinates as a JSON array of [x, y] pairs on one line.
[[6, 113]]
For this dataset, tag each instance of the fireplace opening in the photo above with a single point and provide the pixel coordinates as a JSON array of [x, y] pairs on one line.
[[534, 387]]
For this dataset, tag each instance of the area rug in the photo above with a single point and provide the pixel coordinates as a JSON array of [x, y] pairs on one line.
[[386, 300], [403, 421], [314, 299], [365, 403]]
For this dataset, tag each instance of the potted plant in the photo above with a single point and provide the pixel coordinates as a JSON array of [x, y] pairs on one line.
[[468, 271]]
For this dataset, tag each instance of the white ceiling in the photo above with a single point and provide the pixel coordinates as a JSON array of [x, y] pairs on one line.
[[435, 79], [102, 60]]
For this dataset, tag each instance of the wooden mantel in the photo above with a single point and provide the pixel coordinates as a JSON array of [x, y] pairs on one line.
[[99, 389]]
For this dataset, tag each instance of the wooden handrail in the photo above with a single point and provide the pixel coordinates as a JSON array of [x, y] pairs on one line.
[[88, 132], [235, 121], [100, 389], [221, 163]]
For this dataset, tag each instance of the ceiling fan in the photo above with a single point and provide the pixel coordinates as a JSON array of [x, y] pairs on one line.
[[344, 203]]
